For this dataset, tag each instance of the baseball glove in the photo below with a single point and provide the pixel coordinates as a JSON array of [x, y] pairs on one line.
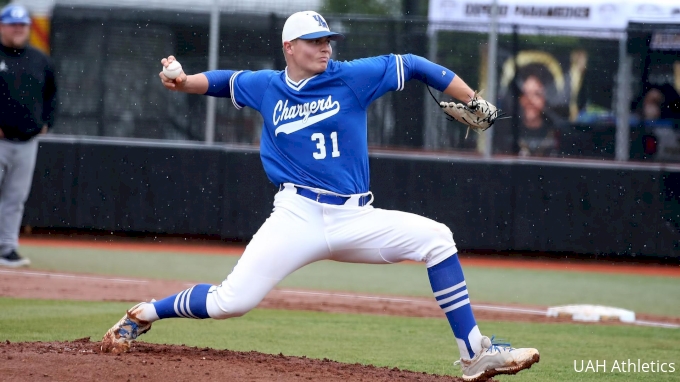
[[478, 114]]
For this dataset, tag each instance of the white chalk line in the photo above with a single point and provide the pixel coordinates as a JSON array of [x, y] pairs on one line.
[[354, 296], [392, 299], [76, 277], [511, 309], [507, 309], [325, 294], [656, 324]]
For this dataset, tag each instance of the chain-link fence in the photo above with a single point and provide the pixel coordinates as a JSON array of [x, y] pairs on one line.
[[108, 64], [556, 86]]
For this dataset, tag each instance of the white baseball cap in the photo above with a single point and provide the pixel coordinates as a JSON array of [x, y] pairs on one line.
[[307, 25], [14, 14]]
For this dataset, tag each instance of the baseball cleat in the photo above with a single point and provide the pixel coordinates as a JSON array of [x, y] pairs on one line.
[[120, 336], [497, 358]]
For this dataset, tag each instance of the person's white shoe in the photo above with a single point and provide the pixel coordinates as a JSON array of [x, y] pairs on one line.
[[14, 260], [497, 359], [127, 329]]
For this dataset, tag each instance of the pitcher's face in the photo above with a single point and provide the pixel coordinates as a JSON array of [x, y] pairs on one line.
[[311, 55]]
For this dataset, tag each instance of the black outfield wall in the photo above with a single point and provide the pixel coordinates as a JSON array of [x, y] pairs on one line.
[[509, 204]]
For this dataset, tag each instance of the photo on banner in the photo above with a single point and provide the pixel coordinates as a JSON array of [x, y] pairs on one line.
[[557, 90], [561, 95], [655, 106]]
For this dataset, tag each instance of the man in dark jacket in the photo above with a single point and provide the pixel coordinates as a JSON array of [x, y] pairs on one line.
[[27, 102]]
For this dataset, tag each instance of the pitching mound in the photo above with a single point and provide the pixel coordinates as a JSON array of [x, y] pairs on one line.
[[80, 360]]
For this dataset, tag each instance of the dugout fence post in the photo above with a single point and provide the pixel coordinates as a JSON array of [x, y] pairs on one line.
[[623, 80], [432, 109], [101, 81], [213, 53], [491, 70], [514, 88]]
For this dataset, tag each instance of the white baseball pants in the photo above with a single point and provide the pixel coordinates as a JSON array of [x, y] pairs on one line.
[[17, 162], [301, 231]]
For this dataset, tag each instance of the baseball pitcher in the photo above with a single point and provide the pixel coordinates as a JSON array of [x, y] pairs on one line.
[[314, 148]]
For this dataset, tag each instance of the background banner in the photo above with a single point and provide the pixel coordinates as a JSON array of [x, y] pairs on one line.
[[579, 14]]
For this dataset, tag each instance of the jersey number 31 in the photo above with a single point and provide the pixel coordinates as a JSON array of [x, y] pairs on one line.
[[321, 145]]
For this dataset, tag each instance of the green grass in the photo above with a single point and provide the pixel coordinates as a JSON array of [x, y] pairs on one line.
[[419, 344], [653, 295]]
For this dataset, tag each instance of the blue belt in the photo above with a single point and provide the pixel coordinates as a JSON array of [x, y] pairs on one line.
[[328, 198]]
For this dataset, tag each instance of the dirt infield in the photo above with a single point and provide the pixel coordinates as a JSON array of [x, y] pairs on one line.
[[63, 286], [49, 285], [80, 360], [219, 249]]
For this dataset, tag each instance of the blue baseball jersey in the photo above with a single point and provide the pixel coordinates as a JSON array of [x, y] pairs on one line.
[[314, 131]]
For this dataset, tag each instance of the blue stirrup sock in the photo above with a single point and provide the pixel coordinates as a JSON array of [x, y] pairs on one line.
[[448, 284], [190, 303]]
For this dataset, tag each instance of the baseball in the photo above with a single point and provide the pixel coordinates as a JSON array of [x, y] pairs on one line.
[[173, 70]]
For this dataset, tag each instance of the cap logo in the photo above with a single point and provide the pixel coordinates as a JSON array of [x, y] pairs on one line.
[[17, 13], [321, 21]]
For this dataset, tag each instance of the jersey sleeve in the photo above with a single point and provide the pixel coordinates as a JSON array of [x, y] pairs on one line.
[[245, 88], [372, 77]]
